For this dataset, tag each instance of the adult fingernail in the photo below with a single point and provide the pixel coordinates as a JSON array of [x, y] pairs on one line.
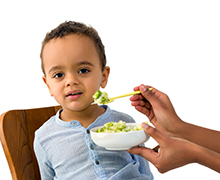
[[144, 125], [143, 88]]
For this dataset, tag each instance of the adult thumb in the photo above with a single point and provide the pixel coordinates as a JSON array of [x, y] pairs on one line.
[[153, 132], [147, 92], [147, 153]]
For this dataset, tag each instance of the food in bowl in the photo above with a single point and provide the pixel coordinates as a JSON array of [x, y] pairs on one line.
[[118, 127], [120, 140]]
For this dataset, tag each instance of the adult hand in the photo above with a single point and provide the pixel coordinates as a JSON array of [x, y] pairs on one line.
[[175, 152], [160, 111], [158, 108], [180, 143]]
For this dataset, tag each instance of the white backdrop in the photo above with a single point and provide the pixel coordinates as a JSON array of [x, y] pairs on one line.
[[171, 45]]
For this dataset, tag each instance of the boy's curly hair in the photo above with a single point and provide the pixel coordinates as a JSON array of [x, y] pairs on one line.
[[71, 27]]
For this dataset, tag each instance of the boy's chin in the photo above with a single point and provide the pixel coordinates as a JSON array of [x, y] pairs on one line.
[[77, 107]]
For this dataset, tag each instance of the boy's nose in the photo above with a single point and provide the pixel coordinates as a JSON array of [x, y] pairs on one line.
[[71, 80]]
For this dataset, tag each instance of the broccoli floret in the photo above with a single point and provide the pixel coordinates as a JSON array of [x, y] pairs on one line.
[[138, 127], [105, 98], [97, 95], [100, 130], [101, 97]]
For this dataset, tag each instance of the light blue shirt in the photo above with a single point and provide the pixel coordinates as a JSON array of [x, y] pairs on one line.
[[65, 151]]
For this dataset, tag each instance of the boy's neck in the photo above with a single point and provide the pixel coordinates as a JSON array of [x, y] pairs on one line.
[[85, 117]]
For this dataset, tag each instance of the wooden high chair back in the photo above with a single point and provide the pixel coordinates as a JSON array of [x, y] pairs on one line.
[[17, 129]]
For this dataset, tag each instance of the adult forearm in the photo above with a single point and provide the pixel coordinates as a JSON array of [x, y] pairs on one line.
[[208, 158], [202, 136]]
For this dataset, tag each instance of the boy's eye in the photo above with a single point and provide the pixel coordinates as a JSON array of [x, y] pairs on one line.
[[83, 71], [58, 75]]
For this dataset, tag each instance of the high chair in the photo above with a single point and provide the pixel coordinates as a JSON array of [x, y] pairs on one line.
[[17, 129]]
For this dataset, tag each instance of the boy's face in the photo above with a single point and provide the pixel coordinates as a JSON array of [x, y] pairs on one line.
[[73, 71]]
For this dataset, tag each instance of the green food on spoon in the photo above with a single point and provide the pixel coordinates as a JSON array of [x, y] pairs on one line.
[[101, 97]]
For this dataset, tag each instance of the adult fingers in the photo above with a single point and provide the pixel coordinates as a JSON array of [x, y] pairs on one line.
[[156, 98], [146, 153]]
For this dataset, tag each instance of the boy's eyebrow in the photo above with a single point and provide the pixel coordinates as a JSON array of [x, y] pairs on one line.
[[54, 68], [85, 62]]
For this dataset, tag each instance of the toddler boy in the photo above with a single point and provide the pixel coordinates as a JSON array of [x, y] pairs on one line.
[[74, 66]]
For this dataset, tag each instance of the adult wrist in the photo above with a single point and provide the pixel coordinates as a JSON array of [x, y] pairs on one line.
[[180, 128]]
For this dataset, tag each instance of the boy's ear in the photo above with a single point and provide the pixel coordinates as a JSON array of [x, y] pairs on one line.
[[45, 81], [105, 74]]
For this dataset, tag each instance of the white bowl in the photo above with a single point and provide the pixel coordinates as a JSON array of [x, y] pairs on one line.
[[119, 141]]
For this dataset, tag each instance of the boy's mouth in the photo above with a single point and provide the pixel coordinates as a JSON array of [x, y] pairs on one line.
[[73, 93]]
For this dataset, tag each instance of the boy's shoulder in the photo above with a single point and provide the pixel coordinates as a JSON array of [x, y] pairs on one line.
[[45, 128]]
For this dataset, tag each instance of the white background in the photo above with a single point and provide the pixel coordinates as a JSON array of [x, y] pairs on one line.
[[171, 45]]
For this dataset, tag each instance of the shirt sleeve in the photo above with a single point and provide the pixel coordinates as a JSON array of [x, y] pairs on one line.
[[46, 171]]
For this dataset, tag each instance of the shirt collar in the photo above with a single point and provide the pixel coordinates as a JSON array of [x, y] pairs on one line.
[[74, 123]]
